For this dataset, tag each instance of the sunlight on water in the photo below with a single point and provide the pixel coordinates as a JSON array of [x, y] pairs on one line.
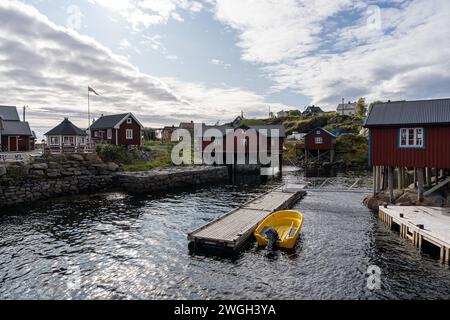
[[119, 246]]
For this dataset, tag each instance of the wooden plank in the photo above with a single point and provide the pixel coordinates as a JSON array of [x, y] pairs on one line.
[[437, 187]]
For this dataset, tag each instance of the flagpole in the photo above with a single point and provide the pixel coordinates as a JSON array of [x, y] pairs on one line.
[[89, 118]]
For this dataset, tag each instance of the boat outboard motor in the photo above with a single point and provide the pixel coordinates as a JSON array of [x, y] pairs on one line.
[[272, 235]]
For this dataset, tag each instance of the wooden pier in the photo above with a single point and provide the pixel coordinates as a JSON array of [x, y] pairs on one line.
[[420, 224], [234, 229]]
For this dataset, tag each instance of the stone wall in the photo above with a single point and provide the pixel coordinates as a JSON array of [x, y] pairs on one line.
[[55, 176], [166, 179]]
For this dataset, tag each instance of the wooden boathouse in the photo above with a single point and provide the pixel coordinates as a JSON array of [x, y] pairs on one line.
[[409, 142], [319, 144]]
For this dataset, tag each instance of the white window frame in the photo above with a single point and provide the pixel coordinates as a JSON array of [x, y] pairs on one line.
[[418, 138], [57, 139], [319, 140], [81, 141], [68, 140], [109, 134], [129, 134], [129, 120], [96, 134]]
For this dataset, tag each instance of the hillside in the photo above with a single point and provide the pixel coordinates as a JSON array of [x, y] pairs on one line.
[[351, 146]]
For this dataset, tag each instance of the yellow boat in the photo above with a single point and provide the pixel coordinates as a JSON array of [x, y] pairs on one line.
[[287, 225]]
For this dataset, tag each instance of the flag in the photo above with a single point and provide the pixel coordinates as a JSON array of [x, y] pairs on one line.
[[92, 90]]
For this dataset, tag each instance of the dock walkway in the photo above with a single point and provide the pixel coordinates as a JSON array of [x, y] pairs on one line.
[[419, 224], [234, 229]]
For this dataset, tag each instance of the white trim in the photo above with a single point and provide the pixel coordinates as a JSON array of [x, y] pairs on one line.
[[318, 140], [416, 137], [117, 137], [126, 134], [117, 126]]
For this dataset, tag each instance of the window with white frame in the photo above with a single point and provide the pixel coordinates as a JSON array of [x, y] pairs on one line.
[[411, 137], [95, 133], [319, 140], [109, 134], [68, 140], [129, 134], [81, 141], [129, 120], [243, 142], [54, 141]]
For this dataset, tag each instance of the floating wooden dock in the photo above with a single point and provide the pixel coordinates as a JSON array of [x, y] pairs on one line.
[[234, 229], [419, 224]]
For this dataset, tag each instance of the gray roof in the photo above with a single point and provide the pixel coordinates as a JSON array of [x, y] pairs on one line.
[[107, 122], [223, 129], [421, 112], [16, 128], [321, 129], [347, 106], [9, 113], [66, 128]]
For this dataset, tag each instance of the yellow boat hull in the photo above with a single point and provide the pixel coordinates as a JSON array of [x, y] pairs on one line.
[[287, 224]]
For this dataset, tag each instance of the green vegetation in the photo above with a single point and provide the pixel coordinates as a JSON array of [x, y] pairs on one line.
[[162, 157], [117, 154], [352, 148], [361, 108]]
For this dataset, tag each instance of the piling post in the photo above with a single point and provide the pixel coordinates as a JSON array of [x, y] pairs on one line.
[[420, 185], [375, 182], [391, 184], [415, 178], [428, 176]]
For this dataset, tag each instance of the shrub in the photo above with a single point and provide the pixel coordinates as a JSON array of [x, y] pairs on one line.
[[113, 153]]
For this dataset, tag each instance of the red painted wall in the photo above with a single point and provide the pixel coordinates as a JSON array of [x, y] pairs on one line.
[[123, 141], [329, 142], [23, 145], [384, 150], [205, 143], [136, 141]]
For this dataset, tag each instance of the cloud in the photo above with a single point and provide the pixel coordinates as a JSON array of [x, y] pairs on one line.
[[49, 67], [327, 50], [218, 62], [145, 13]]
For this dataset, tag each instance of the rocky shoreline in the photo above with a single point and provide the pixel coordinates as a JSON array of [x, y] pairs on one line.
[[60, 175]]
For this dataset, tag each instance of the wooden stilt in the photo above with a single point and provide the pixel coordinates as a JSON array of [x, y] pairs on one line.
[[428, 177], [442, 254], [420, 187], [375, 182], [415, 178], [391, 185]]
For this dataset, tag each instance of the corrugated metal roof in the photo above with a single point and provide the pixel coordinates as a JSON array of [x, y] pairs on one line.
[[66, 128], [16, 128], [9, 113], [107, 122], [421, 112]]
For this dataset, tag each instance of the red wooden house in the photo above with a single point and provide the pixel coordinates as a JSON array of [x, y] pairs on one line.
[[320, 144], [410, 135], [15, 135], [119, 129], [242, 142]]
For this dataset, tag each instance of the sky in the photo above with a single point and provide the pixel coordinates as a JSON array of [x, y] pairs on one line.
[[169, 61]]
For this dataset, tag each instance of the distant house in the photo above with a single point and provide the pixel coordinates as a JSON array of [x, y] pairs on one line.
[[66, 137], [312, 111], [15, 135], [346, 109], [410, 134], [319, 144], [166, 133], [282, 114], [118, 129]]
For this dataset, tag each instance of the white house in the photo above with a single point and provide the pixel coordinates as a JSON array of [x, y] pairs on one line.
[[347, 109]]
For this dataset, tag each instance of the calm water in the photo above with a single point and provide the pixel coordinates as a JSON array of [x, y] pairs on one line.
[[124, 247]]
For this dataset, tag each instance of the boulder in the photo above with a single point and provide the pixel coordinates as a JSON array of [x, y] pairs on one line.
[[76, 157], [2, 170], [40, 166], [111, 166]]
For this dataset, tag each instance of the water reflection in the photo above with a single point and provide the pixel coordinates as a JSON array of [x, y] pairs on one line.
[[126, 247]]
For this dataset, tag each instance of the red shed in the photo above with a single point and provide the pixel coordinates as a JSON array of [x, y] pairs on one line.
[[410, 135], [320, 143]]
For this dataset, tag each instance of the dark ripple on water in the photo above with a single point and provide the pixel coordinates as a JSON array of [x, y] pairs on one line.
[[125, 247]]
